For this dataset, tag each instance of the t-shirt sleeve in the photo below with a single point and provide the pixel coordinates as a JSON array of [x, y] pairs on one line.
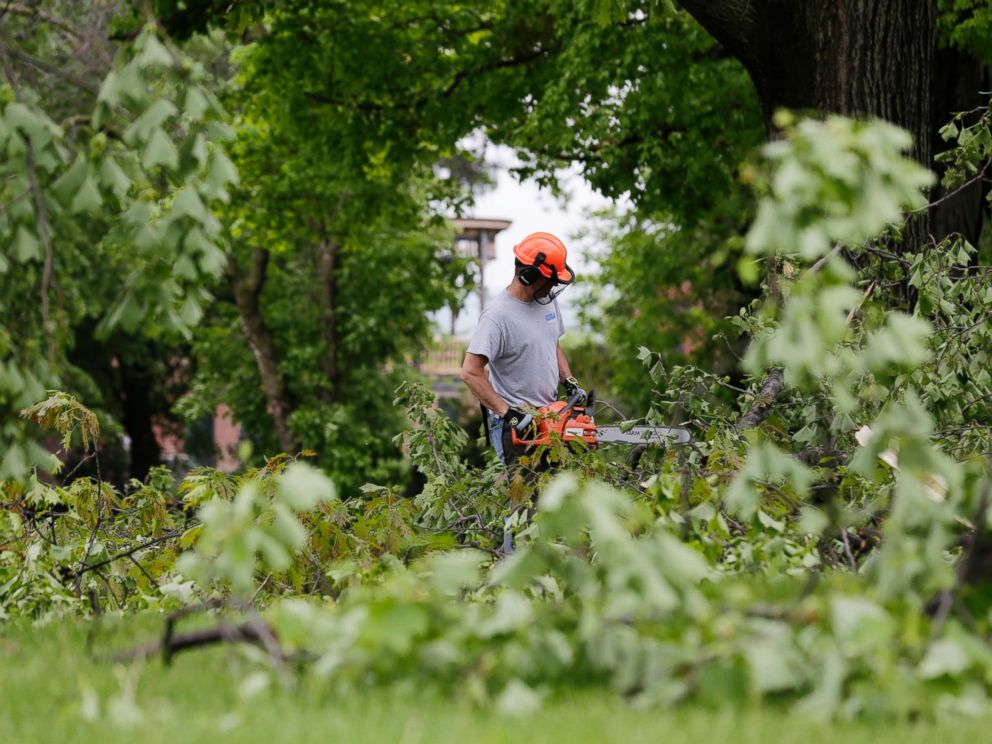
[[487, 340], [561, 323]]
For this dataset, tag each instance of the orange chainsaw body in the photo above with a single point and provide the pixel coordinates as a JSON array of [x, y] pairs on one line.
[[572, 425]]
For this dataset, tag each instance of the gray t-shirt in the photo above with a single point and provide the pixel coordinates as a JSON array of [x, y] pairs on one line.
[[520, 340]]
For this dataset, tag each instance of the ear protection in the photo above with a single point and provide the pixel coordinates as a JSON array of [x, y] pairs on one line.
[[531, 274]]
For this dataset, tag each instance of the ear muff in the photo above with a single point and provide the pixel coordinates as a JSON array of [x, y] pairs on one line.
[[531, 274]]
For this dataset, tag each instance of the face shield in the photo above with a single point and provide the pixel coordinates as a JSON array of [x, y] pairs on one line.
[[549, 296]]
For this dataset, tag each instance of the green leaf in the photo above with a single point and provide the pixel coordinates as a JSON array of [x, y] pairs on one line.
[[110, 92], [144, 127], [128, 313], [68, 184], [193, 153], [517, 699], [195, 242], [38, 127], [187, 202], [196, 103], [859, 619], [118, 88], [220, 172], [160, 151], [152, 52], [114, 178], [945, 656], [212, 260], [813, 520], [184, 268], [147, 237], [25, 245], [14, 465], [288, 528], [302, 487], [190, 536], [453, 571], [774, 663], [88, 198], [682, 565], [766, 521]]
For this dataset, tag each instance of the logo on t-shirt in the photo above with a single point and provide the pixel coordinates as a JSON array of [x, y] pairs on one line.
[[550, 316]]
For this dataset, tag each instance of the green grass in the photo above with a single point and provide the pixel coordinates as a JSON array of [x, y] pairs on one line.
[[46, 675]]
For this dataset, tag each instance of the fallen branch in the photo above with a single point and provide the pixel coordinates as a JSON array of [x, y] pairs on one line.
[[254, 631], [172, 644], [770, 390]]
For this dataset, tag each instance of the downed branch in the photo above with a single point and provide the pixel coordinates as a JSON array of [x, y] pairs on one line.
[[770, 390], [171, 644]]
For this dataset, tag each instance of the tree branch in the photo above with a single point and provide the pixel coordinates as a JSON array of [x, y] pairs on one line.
[[770, 390], [731, 22], [124, 554], [173, 644], [41, 15], [247, 290], [53, 70]]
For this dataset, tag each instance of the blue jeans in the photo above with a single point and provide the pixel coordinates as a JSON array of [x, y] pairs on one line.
[[496, 435], [496, 440]]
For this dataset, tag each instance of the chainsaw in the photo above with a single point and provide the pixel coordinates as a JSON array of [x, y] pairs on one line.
[[567, 420]]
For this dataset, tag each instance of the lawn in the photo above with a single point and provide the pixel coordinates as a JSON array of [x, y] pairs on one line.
[[54, 690]]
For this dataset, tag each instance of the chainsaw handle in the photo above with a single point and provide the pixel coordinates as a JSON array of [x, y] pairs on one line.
[[572, 402], [525, 442]]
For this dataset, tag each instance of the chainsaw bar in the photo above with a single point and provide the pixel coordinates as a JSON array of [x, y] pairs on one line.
[[662, 435]]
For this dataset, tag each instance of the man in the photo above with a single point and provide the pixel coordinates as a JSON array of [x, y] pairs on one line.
[[518, 337]]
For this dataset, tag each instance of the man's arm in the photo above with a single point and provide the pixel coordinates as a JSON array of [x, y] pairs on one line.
[[474, 375], [564, 371], [572, 386]]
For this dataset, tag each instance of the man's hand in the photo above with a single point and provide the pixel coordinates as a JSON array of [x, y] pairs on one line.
[[522, 421], [572, 388]]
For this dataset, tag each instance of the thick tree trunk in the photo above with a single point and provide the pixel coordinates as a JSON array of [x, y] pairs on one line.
[[852, 57], [247, 290], [327, 254]]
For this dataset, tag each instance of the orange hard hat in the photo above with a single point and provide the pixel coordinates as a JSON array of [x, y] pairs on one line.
[[546, 253]]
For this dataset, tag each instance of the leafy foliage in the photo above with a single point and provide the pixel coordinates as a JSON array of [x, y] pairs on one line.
[[822, 542], [133, 176], [691, 584]]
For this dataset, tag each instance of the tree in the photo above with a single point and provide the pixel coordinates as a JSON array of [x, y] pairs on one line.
[[666, 121], [110, 172], [863, 58], [335, 260]]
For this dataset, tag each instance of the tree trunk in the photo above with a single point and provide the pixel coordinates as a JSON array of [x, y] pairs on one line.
[[137, 413], [327, 254], [247, 291], [852, 57]]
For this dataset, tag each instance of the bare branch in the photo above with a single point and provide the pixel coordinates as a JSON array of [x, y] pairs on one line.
[[42, 15], [125, 553], [53, 70], [770, 390]]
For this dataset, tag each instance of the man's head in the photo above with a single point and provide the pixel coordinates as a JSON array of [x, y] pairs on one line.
[[540, 266]]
